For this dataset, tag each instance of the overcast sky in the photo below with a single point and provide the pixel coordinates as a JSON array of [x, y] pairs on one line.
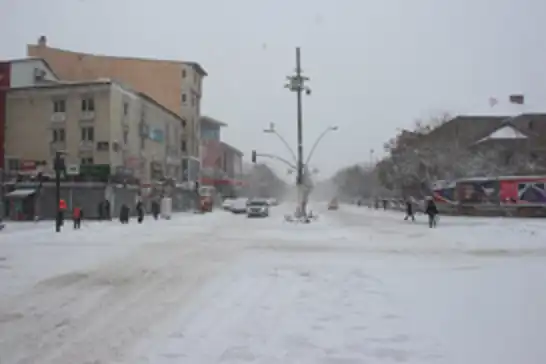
[[375, 66]]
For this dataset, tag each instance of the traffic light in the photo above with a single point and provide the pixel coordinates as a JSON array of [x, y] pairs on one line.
[[253, 156]]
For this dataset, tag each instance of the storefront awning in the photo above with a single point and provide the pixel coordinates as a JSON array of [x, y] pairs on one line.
[[21, 193]]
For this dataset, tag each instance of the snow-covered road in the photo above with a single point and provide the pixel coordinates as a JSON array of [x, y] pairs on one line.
[[357, 286]]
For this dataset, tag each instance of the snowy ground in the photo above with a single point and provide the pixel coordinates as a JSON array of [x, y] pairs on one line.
[[357, 286]]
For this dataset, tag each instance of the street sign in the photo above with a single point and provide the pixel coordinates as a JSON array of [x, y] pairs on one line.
[[73, 169]]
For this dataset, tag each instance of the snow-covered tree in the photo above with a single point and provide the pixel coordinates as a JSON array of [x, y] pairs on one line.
[[416, 159], [263, 182], [419, 157]]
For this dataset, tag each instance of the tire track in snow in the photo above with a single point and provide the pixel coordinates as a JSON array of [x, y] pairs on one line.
[[98, 314]]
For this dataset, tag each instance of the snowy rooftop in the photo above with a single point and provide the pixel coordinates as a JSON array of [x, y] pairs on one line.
[[504, 132]]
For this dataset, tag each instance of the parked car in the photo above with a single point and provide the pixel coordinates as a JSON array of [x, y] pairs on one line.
[[226, 205], [333, 204], [239, 205], [257, 208]]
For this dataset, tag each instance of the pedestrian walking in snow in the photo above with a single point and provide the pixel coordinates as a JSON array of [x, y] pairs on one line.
[[77, 217], [432, 211], [124, 214], [100, 211], [60, 214], [107, 213], [155, 209], [409, 210], [140, 211]]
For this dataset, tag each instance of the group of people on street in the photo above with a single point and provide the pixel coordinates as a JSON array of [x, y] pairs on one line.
[[105, 214], [77, 214], [125, 212], [430, 210]]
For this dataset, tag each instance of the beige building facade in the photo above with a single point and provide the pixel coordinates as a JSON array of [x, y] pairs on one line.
[[176, 85], [94, 123]]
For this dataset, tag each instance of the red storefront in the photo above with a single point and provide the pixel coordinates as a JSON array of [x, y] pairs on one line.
[[213, 165], [212, 154]]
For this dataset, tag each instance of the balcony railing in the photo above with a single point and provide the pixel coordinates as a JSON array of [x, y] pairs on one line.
[[87, 145], [58, 117], [87, 116]]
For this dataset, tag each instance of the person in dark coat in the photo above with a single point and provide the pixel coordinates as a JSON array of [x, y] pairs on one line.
[[100, 210], [384, 204], [124, 214], [155, 209], [409, 210], [107, 214], [140, 211], [432, 211]]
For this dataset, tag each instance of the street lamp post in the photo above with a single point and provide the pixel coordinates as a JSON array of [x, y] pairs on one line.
[[59, 167], [296, 83], [304, 183], [372, 170]]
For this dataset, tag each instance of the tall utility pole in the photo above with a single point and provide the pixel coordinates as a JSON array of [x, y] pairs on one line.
[[296, 83], [300, 118], [59, 167]]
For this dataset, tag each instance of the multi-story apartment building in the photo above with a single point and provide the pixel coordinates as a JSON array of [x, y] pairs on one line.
[[96, 124], [176, 85], [222, 163], [20, 73]]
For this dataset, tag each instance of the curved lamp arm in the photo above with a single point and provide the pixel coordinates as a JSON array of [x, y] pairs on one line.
[[321, 136], [280, 159], [271, 130]]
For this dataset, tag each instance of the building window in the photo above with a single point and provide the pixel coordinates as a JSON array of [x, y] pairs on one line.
[[184, 98], [88, 104], [195, 78], [183, 146], [58, 135], [530, 125], [87, 161], [13, 164], [184, 73], [88, 134], [125, 136], [183, 123], [59, 106], [125, 108]]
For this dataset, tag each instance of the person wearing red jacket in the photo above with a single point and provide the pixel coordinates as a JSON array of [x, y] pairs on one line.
[[77, 217]]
